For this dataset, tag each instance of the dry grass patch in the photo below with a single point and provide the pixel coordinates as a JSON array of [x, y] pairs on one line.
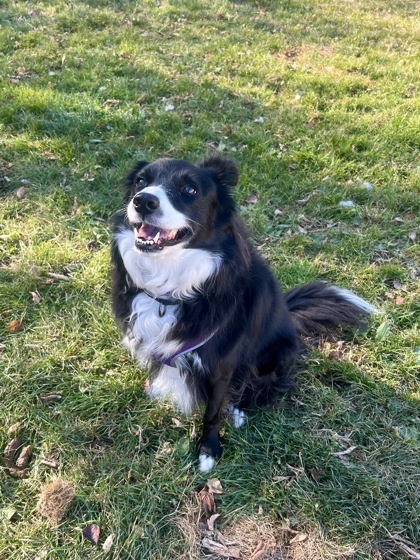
[[253, 537], [54, 500]]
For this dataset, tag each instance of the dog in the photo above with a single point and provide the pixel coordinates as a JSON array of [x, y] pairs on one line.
[[197, 303]]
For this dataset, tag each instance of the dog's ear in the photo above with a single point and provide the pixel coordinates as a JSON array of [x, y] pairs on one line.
[[131, 177], [225, 169]]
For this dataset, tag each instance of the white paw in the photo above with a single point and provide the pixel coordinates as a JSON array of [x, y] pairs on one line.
[[206, 463], [238, 416]]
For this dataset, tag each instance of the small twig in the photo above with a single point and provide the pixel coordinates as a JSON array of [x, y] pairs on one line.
[[405, 546], [58, 276]]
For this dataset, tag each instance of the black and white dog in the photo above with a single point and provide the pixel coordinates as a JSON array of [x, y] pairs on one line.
[[198, 304]]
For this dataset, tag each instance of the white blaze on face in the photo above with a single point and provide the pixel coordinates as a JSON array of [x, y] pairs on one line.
[[165, 217]]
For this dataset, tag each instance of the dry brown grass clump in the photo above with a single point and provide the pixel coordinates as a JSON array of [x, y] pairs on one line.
[[253, 537], [55, 500]]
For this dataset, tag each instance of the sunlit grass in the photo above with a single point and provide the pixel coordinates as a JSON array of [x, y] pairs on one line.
[[317, 102]]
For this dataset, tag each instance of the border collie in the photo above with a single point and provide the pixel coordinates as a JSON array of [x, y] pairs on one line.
[[199, 306]]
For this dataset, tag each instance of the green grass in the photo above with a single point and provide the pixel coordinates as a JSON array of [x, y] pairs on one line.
[[83, 95]]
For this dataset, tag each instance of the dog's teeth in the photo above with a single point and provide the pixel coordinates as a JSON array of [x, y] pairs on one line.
[[156, 237]]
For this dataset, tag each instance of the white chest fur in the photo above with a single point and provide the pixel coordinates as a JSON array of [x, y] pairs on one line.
[[176, 271], [148, 335]]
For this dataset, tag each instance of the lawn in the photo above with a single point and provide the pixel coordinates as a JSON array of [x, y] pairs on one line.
[[317, 101]]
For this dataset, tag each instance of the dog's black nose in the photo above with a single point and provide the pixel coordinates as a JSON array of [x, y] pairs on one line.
[[146, 203]]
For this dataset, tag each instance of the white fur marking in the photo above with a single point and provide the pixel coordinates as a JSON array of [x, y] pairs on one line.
[[174, 270], [170, 385], [238, 416], [165, 217], [206, 463], [149, 330], [356, 300]]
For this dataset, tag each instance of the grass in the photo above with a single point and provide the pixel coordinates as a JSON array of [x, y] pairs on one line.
[[314, 100]]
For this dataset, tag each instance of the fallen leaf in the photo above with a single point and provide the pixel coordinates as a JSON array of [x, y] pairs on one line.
[[300, 537], [252, 199], [261, 549], [223, 540], [20, 193], [205, 497], [7, 513], [92, 532], [345, 452], [382, 332], [35, 297], [14, 428], [282, 478], [15, 472], [305, 200], [48, 398], [50, 464], [297, 471], [220, 549], [109, 541], [302, 230], [389, 295], [412, 235], [399, 300], [316, 474], [49, 155], [169, 108], [11, 448], [277, 212], [24, 457], [398, 219], [214, 486], [212, 520], [206, 501], [15, 326], [58, 276]]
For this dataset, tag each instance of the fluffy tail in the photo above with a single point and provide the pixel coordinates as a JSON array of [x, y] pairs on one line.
[[317, 309]]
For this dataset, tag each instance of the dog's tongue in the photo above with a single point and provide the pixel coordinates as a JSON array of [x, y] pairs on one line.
[[146, 231]]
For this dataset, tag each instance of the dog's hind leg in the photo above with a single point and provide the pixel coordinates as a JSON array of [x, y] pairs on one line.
[[238, 416]]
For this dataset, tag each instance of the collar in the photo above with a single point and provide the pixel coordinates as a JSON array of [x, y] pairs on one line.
[[185, 349], [163, 300], [166, 299]]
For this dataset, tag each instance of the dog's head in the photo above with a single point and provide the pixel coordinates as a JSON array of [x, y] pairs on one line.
[[173, 202]]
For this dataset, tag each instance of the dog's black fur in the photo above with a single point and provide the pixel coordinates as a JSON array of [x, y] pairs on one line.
[[255, 328]]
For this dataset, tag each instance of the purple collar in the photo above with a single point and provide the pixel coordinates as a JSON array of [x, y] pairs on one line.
[[185, 348]]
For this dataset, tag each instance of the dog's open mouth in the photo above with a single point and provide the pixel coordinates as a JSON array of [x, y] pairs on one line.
[[152, 238]]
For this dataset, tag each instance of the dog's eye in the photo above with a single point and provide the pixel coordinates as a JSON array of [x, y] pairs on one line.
[[188, 189], [141, 182]]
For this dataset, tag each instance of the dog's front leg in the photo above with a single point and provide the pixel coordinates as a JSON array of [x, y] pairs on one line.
[[210, 449]]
